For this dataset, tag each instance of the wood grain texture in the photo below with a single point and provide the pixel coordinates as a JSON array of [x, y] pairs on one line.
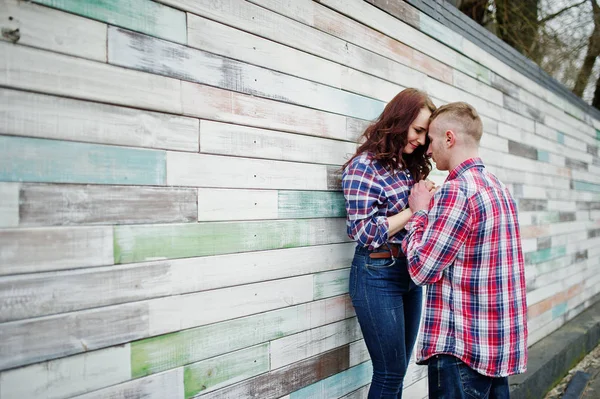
[[293, 348], [42, 71], [42, 294], [52, 204], [51, 161], [197, 170], [69, 376], [277, 383], [140, 15], [234, 140], [137, 51], [168, 351], [51, 117], [337, 385], [9, 204], [227, 106], [331, 283], [53, 30], [220, 371], [159, 386], [38, 250], [35, 340]]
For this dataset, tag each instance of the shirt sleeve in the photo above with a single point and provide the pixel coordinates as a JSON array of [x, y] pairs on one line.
[[364, 196], [434, 238]]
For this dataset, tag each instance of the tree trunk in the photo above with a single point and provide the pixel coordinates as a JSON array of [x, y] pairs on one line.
[[475, 9], [596, 100], [593, 51], [517, 23]]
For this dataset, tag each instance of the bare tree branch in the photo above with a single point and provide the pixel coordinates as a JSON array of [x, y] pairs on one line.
[[556, 14]]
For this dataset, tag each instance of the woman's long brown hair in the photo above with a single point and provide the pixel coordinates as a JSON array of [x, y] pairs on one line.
[[388, 135]]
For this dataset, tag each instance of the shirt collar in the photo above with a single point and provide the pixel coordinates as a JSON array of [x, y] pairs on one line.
[[463, 167]]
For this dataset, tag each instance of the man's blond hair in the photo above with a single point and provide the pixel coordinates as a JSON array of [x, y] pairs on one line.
[[463, 115]]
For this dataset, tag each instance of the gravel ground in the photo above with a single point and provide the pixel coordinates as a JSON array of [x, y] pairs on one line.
[[589, 364]]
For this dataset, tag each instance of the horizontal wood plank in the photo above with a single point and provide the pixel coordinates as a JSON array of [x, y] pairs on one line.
[[42, 294], [227, 139], [168, 351], [52, 161], [140, 15], [69, 376], [42, 71], [54, 30], [38, 250], [51, 117], [331, 283], [198, 170], [338, 384], [9, 204], [53, 204], [220, 371]]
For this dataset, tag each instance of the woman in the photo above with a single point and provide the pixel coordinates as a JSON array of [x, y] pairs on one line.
[[376, 183]]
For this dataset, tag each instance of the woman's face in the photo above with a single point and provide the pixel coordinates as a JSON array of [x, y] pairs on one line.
[[417, 132]]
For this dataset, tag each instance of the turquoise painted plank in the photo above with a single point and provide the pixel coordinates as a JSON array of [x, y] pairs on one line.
[[560, 137], [585, 186], [144, 16], [165, 352], [137, 51], [40, 160], [225, 370], [332, 283], [543, 156], [310, 204], [544, 255], [139, 243], [597, 134], [337, 385], [559, 310]]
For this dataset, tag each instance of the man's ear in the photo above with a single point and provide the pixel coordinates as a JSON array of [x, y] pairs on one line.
[[449, 138]]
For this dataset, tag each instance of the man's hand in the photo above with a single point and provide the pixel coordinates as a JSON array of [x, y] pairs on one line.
[[420, 195]]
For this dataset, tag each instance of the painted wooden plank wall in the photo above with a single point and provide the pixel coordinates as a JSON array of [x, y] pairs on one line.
[[171, 221]]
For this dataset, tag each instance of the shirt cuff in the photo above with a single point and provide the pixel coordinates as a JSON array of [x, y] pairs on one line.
[[417, 218]]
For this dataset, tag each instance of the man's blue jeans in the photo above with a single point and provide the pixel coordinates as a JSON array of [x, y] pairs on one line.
[[450, 378], [388, 308]]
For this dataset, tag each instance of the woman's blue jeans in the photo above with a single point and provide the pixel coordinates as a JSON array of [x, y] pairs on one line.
[[388, 308]]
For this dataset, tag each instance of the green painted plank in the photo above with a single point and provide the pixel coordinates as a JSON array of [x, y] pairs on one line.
[[144, 16], [152, 355], [310, 204], [139, 243], [597, 134], [560, 137], [337, 385], [585, 186], [559, 310], [474, 69], [52, 161], [225, 370], [544, 255], [332, 283], [543, 156]]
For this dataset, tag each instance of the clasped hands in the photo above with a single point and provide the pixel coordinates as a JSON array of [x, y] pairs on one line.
[[420, 195]]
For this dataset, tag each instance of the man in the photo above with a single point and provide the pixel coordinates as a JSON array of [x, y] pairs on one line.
[[464, 242]]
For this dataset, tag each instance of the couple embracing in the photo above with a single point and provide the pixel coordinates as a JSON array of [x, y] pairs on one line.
[[461, 240]]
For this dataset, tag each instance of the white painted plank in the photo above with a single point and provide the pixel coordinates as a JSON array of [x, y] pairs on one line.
[[227, 139], [36, 115], [63, 378], [309, 343], [180, 312], [226, 106], [216, 204], [157, 386], [9, 204], [37, 70], [201, 170], [42, 294], [36, 250], [134, 50], [53, 30]]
